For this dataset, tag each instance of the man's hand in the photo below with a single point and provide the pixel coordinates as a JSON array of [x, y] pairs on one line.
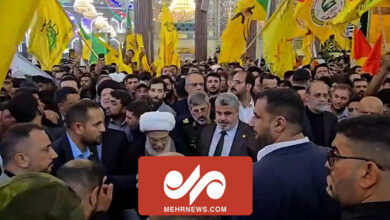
[[105, 197], [52, 116], [386, 61]]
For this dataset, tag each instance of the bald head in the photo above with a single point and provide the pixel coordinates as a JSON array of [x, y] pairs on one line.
[[370, 105]]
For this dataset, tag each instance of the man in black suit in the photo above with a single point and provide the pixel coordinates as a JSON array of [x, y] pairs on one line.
[[194, 82], [85, 126], [229, 136], [289, 178], [87, 138], [320, 125]]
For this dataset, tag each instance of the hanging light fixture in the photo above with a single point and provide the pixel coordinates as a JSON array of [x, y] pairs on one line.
[[182, 10]]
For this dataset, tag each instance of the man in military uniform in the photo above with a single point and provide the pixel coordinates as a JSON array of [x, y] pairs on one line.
[[190, 126], [39, 196]]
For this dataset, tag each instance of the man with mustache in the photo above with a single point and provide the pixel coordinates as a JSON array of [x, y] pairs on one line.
[[359, 168], [320, 124], [26, 148], [190, 127], [229, 136]]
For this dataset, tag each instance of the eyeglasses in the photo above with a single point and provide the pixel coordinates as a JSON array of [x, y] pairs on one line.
[[332, 157]]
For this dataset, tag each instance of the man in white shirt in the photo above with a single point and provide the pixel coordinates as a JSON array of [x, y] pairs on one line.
[[229, 136], [242, 85]]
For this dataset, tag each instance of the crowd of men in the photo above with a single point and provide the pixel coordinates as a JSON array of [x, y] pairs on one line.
[[319, 138]]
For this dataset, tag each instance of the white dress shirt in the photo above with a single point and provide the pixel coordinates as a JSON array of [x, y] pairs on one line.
[[270, 148], [246, 114], [227, 140]]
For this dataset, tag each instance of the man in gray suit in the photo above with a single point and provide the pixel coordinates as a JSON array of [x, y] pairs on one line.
[[229, 136]]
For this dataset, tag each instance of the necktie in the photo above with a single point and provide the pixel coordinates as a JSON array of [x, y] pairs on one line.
[[218, 149]]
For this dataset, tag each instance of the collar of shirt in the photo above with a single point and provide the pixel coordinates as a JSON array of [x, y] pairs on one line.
[[250, 105], [122, 124], [77, 154], [228, 140], [273, 147]]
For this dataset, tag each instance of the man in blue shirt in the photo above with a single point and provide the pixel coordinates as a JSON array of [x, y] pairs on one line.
[[85, 126]]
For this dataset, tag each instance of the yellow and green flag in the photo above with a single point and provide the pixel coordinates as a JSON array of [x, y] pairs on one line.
[[261, 9], [50, 34], [112, 55], [92, 46], [278, 34], [317, 15], [15, 18]]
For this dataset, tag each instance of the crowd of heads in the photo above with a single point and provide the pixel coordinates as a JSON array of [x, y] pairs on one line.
[[83, 99]]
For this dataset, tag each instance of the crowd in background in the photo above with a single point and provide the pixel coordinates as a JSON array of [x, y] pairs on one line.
[[318, 137]]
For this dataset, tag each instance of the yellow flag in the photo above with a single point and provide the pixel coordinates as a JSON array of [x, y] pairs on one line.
[[307, 44], [235, 35], [168, 38], [317, 15], [278, 34], [15, 18], [141, 48], [121, 65], [354, 9], [86, 53], [50, 33]]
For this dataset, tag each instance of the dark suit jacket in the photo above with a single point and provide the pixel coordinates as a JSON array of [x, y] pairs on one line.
[[330, 128], [290, 184], [181, 108], [244, 143], [114, 145]]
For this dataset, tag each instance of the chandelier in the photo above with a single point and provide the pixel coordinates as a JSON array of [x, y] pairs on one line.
[[182, 10]]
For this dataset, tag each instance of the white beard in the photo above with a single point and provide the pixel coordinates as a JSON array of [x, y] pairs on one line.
[[149, 151]]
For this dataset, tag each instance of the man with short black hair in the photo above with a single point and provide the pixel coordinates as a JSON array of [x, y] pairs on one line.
[[300, 79], [359, 168], [268, 81], [69, 81], [359, 87], [157, 94], [242, 85], [134, 111], [116, 112], [86, 178], [26, 148], [131, 82], [213, 84], [85, 126], [340, 96], [288, 177], [170, 97], [322, 70], [65, 97]]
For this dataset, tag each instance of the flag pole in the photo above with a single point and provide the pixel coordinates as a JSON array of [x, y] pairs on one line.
[[252, 42], [383, 28], [86, 43]]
